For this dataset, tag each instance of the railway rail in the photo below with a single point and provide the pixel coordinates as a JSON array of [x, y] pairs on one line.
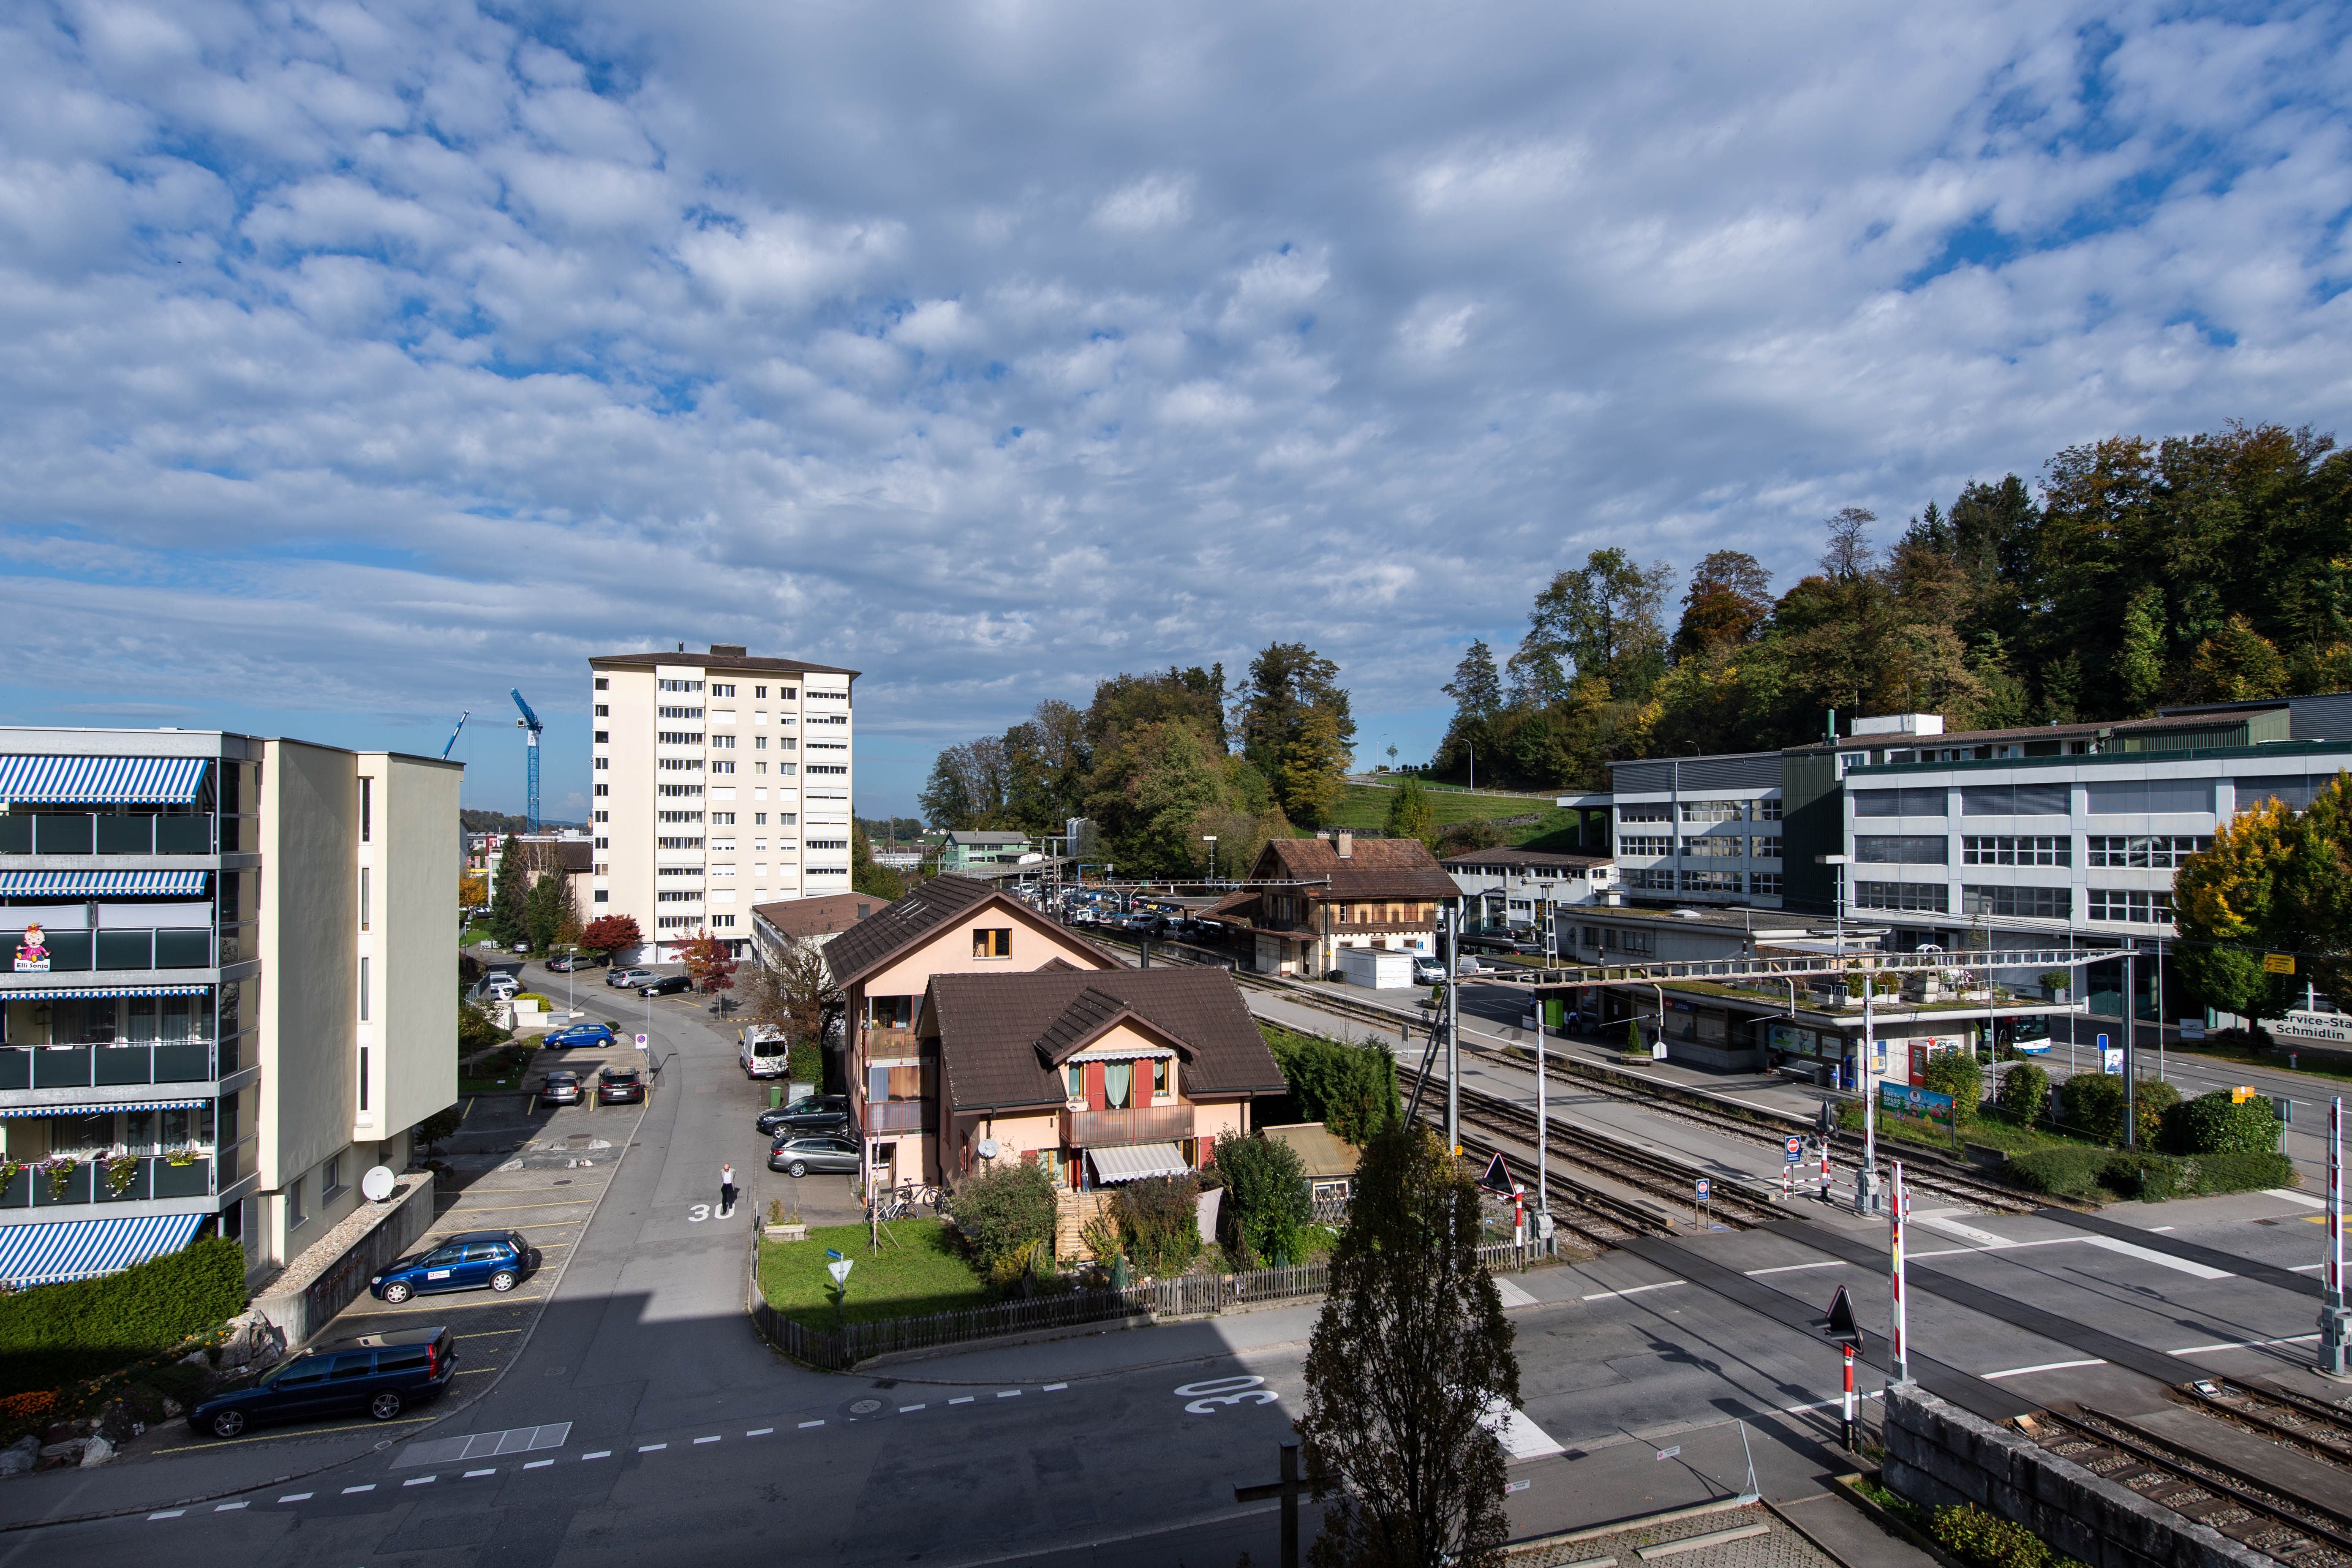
[[2323, 1431], [1660, 1175]]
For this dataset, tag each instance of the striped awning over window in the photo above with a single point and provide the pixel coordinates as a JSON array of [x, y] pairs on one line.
[[84, 1248], [9, 1111], [102, 884], [95, 993], [102, 781]]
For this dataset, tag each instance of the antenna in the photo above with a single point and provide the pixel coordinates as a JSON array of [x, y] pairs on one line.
[[531, 727]]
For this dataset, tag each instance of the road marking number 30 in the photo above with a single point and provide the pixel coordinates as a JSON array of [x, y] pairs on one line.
[[696, 1212], [1225, 1391]]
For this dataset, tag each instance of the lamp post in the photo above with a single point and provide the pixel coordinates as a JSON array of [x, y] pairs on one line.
[[1211, 839]]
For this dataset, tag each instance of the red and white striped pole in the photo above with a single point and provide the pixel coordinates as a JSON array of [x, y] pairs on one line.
[[1825, 1167], [1899, 1336], [2334, 1317], [1849, 1445]]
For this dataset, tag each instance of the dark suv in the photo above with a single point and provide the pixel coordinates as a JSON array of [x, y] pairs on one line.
[[810, 1113], [620, 1086], [382, 1374]]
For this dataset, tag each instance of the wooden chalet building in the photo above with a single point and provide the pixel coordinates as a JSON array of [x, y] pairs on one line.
[[1314, 896]]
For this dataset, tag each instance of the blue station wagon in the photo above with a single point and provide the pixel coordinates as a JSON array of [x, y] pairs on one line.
[[382, 1374], [482, 1259]]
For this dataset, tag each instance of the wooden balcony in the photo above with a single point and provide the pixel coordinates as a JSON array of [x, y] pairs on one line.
[[1153, 1124], [900, 1116]]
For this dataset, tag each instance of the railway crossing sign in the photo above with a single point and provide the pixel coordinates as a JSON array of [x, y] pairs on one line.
[[1792, 1148], [1841, 1324], [1497, 1178], [1705, 1187]]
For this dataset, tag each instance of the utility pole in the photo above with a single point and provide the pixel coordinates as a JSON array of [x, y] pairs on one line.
[[2131, 1006], [2334, 1317], [1899, 1346], [1454, 1027], [1865, 1176], [1543, 1070]]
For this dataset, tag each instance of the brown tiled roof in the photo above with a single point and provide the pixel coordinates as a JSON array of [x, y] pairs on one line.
[[1237, 908], [1374, 869], [820, 916], [716, 661], [999, 1032], [1322, 1153], [575, 855], [870, 944]]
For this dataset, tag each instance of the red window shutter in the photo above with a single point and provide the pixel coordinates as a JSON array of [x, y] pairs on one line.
[[1028, 1156], [1098, 1097]]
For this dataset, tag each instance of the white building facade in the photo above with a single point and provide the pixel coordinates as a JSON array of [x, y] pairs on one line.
[[721, 780]]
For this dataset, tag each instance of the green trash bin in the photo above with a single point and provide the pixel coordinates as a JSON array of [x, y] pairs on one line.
[[775, 1096]]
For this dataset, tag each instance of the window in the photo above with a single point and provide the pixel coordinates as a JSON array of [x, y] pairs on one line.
[[604, 684], [671, 765], [679, 685], [2290, 790], [677, 843], [679, 737], [1769, 810], [1930, 896], [364, 989], [1078, 1081], [2158, 851], [676, 922], [1652, 811], [601, 764], [603, 789], [674, 792], [723, 743], [722, 819], [2005, 850], [787, 692], [683, 815], [2015, 800], [330, 1178], [1159, 1077], [758, 692], [991, 942], [759, 819], [603, 737], [828, 843], [722, 920], [1921, 802], [678, 712], [1765, 847], [602, 896], [604, 711], [295, 1218], [604, 844], [678, 871], [759, 767], [1644, 845], [2131, 904], [685, 896], [2116, 798], [2023, 903], [759, 743], [367, 808], [601, 815], [820, 768], [1716, 846], [788, 818], [1764, 884], [722, 767], [727, 690], [1711, 810], [364, 1080], [1901, 849], [363, 898], [1659, 878], [1710, 881]]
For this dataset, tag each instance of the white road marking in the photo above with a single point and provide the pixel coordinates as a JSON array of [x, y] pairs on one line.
[[965, 1399], [2004, 1246], [168, 1513], [699, 1441], [368, 1488], [2150, 1254], [469, 1474], [2306, 1268], [1793, 1267], [295, 1497], [806, 1425], [1008, 1393], [1512, 1295], [2306, 1199], [759, 1431], [651, 1447], [1051, 1387], [2044, 1366], [228, 1507], [1829, 1403], [1521, 1438], [2245, 1344], [1954, 1227], [537, 1464], [420, 1481], [903, 1408], [1634, 1291]]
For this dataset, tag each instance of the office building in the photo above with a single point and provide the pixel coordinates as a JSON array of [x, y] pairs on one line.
[[721, 781], [231, 988]]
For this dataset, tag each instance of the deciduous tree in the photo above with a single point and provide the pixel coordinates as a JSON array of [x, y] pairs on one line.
[[1411, 815], [709, 961], [608, 934]]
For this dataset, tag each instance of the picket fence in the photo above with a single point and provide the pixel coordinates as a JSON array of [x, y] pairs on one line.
[[1186, 1296]]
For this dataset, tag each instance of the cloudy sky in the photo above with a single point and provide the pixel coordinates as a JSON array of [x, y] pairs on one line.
[[364, 360]]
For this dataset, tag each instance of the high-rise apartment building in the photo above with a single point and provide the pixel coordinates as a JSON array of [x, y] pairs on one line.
[[228, 988], [721, 781]]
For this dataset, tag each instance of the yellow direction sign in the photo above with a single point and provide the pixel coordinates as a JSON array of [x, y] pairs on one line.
[[2278, 964]]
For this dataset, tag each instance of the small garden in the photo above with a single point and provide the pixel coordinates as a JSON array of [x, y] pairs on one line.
[[2198, 1147], [1976, 1538]]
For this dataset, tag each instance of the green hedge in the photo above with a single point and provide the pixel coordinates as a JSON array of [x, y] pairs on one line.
[[2072, 1173], [2214, 1124], [1986, 1541], [2084, 1172], [55, 1334], [2241, 1172]]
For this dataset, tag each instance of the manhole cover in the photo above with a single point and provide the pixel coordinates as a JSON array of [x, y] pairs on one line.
[[864, 1406]]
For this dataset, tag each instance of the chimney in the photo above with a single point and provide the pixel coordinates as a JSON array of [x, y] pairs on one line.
[[1322, 832], [1347, 845]]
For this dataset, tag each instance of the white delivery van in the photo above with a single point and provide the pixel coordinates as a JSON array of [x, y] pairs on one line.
[[764, 1050]]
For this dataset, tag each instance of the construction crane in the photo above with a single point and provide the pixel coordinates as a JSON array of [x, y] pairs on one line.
[[530, 724], [455, 733]]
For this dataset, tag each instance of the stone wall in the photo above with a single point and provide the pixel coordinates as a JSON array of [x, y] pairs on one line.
[[1938, 1455], [331, 1275]]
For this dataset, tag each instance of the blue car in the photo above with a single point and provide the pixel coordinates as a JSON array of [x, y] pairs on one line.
[[481, 1259], [578, 1035]]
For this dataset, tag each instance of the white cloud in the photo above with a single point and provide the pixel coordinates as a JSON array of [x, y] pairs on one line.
[[1153, 203]]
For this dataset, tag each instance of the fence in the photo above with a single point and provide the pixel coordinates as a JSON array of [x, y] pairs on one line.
[[1186, 1296]]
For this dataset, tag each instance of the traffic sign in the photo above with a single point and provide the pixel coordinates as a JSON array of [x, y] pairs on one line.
[[1704, 1187], [1793, 1148], [641, 1042], [839, 1268], [1497, 1178], [1841, 1323]]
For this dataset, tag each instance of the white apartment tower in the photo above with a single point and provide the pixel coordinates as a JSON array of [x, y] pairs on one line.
[[721, 781]]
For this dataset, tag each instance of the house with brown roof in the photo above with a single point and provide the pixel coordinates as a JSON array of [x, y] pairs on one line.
[[1310, 898], [816, 919], [1100, 1078], [884, 963]]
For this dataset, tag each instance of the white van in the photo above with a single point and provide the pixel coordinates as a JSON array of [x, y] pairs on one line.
[[764, 1050]]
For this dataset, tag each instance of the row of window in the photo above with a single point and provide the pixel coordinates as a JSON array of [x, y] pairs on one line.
[[725, 689], [2161, 851], [1712, 846], [1703, 811], [1664, 879], [2100, 797], [1609, 938], [2129, 904]]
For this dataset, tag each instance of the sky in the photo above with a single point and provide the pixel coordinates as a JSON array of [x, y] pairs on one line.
[[364, 361]]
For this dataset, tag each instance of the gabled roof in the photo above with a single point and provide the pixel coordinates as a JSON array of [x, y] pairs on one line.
[[998, 1033], [931, 908], [1373, 869]]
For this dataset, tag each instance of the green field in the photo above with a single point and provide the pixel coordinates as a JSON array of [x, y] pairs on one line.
[[923, 1272], [1367, 805]]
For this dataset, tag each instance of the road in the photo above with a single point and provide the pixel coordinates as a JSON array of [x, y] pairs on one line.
[[664, 1420]]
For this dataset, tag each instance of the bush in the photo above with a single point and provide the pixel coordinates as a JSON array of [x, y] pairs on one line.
[[1267, 1198], [1987, 1541], [2094, 1106], [2025, 1092], [2150, 1178], [2071, 1173], [54, 1334], [1004, 1213], [1955, 1073], [2213, 1124], [804, 1063], [1351, 1089], [1159, 1223], [2241, 1172], [2150, 1103], [476, 1032]]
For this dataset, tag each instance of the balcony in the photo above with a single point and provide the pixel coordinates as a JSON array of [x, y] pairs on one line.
[[900, 1116], [106, 1066], [1153, 1124], [186, 948], [155, 1179], [73, 833]]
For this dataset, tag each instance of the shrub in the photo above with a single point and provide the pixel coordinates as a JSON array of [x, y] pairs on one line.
[[1955, 1073], [2066, 1173], [2153, 1099], [804, 1063], [1974, 1536], [2211, 1124], [2240, 1172], [441, 1124], [2024, 1092], [54, 1334], [2093, 1105], [1267, 1197], [1351, 1089], [2151, 1178], [1003, 1213], [1159, 1221]]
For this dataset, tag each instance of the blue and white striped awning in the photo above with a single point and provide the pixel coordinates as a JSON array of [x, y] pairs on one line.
[[102, 781], [84, 1248], [8, 1110], [96, 992], [102, 884]]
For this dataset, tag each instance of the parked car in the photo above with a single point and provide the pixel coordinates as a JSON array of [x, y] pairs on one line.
[[617, 1085], [497, 988], [522, 947], [570, 962], [810, 1113], [1428, 971], [667, 985], [630, 978], [798, 1156], [382, 1374], [575, 1036], [560, 1089], [764, 1052], [479, 1259]]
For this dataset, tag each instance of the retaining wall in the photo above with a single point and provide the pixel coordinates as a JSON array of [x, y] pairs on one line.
[[302, 1300]]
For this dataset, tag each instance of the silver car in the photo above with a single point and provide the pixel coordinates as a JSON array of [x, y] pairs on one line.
[[631, 978], [798, 1156]]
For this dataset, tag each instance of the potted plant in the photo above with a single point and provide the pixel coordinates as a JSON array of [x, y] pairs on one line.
[[121, 1170], [185, 1155], [10, 1168], [60, 1169]]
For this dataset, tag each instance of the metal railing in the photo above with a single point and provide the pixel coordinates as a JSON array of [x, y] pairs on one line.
[[900, 1115], [77, 833], [168, 948], [1145, 1124], [106, 1066], [1796, 965], [88, 1185]]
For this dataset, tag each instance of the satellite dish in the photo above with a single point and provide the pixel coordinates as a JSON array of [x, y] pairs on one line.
[[378, 1184], [988, 1148]]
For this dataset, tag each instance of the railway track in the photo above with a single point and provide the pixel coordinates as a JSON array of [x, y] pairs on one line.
[[2292, 1529], [2313, 1426], [1663, 1176]]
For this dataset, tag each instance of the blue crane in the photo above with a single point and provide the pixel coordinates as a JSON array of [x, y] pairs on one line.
[[455, 733], [530, 724]]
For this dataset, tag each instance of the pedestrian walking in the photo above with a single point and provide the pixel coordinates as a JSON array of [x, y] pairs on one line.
[[726, 1190]]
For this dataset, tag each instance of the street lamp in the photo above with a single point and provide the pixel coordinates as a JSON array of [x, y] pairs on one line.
[[1865, 1180], [1211, 839]]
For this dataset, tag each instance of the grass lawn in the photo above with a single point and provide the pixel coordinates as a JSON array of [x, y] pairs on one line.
[[1990, 1127], [924, 1273], [1367, 805]]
